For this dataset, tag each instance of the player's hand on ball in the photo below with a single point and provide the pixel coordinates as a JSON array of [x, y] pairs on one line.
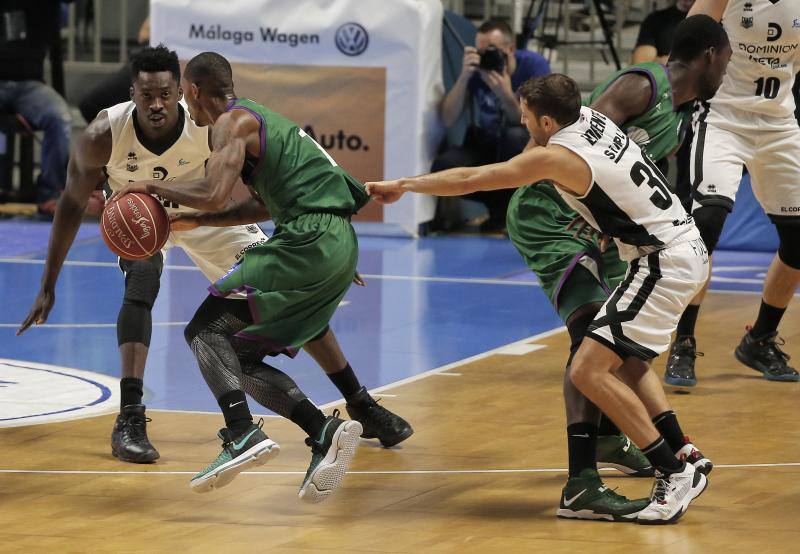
[[183, 222], [137, 186], [39, 311], [385, 192]]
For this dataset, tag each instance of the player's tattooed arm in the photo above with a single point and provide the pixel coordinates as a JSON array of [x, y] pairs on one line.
[[234, 133], [711, 8], [84, 174], [250, 210], [551, 163], [626, 98]]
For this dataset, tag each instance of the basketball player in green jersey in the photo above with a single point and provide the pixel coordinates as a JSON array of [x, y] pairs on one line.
[[652, 103], [293, 282]]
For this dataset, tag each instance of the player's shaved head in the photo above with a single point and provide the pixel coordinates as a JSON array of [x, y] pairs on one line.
[[702, 45], [695, 35], [211, 73]]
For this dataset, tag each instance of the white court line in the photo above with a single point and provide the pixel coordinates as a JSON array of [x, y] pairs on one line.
[[94, 325], [420, 278], [375, 472], [436, 371]]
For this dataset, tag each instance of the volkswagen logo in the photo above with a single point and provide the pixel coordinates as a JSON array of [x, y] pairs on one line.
[[352, 39]]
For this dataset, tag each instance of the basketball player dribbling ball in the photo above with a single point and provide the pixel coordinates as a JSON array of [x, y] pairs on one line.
[[294, 281], [751, 123], [153, 137]]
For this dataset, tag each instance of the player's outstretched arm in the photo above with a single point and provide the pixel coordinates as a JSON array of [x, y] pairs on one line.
[[251, 210], [84, 173], [229, 140], [532, 165], [711, 8]]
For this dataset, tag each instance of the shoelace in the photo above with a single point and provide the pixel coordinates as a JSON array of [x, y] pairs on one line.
[[660, 488], [137, 426], [379, 413], [773, 344], [682, 349]]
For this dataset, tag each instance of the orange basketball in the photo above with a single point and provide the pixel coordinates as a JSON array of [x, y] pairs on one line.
[[135, 226]]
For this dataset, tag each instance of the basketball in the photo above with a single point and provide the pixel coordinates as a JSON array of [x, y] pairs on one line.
[[135, 226]]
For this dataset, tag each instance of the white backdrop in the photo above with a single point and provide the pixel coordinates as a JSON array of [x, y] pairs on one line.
[[402, 36]]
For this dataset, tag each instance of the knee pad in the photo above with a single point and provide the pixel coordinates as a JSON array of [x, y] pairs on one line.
[[789, 249], [142, 280], [709, 221]]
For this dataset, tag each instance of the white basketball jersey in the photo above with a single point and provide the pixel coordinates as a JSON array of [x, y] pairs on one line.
[[765, 37], [130, 160], [629, 198]]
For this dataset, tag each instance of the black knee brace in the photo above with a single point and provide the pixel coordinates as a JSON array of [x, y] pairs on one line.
[[710, 220], [789, 235], [142, 282]]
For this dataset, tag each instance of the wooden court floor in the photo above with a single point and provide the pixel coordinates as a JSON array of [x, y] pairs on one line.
[[435, 493]]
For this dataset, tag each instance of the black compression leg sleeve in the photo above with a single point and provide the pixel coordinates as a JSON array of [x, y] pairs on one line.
[[142, 283], [789, 249], [209, 335]]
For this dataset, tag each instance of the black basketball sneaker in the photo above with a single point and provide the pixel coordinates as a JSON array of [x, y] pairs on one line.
[[129, 440], [378, 422], [680, 364], [765, 355]]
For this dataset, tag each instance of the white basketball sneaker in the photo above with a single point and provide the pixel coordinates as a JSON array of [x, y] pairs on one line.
[[690, 454], [672, 493]]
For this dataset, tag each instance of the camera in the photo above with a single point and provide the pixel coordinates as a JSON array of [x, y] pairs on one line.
[[493, 59]]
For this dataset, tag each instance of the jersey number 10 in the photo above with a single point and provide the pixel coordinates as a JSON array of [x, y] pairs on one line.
[[768, 88]]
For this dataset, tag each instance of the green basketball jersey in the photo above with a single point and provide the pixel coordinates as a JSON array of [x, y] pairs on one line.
[[659, 130], [294, 175]]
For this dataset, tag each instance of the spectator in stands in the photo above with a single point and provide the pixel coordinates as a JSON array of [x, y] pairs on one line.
[[655, 35], [114, 88], [26, 30], [495, 133]]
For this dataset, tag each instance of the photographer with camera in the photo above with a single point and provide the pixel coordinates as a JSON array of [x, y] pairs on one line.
[[491, 73]]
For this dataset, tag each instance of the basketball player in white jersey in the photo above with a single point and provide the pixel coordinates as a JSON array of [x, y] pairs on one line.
[[607, 179], [152, 137], [751, 123]]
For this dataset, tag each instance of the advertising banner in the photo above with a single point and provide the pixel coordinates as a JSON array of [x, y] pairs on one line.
[[363, 77]]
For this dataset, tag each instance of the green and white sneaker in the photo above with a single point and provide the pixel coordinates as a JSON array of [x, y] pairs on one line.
[[330, 457], [586, 497], [618, 452], [251, 448]]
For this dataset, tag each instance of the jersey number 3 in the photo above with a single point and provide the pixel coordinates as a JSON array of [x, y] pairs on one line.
[[642, 173]]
